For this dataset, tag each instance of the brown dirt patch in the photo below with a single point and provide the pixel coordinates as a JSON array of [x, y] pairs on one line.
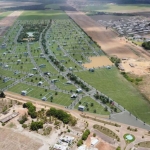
[[11, 140], [98, 62], [8, 21], [106, 38], [104, 146], [139, 66]]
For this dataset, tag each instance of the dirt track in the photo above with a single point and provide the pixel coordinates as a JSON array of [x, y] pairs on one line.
[[106, 38], [8, 21]]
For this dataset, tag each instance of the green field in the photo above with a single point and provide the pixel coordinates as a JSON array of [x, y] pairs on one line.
[[116, 8], [4, 14], [38, 92], [111, 83], [43, 14], [86, 101]]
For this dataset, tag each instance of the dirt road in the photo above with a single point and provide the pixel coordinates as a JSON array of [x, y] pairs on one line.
[[106, 38], [8, 21]]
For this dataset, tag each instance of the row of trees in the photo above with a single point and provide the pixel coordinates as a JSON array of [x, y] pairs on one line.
[[61, 115], [74, 78], [31, 109], [57, 63], [84, 137], [115, 60]]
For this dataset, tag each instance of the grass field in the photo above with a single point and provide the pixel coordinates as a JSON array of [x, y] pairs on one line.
[[116, 8], [111, 83], [43, 14], [37, 92], [4, 14], [86, 101]]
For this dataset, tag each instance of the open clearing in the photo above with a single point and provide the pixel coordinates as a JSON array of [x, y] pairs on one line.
[[98, 62], [44, 14], [4, 4], [111, 83], [11, 140], [116, 8], [106, 38]]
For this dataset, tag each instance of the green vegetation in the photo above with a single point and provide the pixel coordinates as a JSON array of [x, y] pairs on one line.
[[127, 140], [112, 84], [36, 125], [92, 105], [115, 60], [146, 45], [4, 14], [136, 80], [145, 144], [52, 6], [107, 131], [116, 7], [36, 29], [23, 119], [118, 148], [43, 15], [102, 121], [2, 95], [31, 109], [80, 142], [61, 115], [85, 134]]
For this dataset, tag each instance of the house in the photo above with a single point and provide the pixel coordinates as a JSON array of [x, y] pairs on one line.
[[46, 73], [74, 95], [6, 66], [34, 69], [18, 61], [81, 108], [4, 45], [70, 68], [44, 98], [23, 93], [42, 66], [5, 79]]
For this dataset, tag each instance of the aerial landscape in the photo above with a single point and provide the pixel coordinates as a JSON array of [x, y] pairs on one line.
[[75, 75]]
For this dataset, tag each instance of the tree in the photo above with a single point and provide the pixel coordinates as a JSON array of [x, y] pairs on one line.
[[2, 95], [36, 125], [92, 104]]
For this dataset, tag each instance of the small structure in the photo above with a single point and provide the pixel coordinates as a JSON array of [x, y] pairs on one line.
[[67, 139], [131, 65], [108, 67], [91, 70], [24, 93], [40, 83], [79, 90], [42, 66], [4, 54], [6, 66], [18, 61], [6, 79], [94, 141], [74, 95], [120, 67], [6, 119], [81, 108], [34, 69], [30, 75], [80, 62], [54, 80], [4, 45], [68, 82], [70, 68], [44, 98], [25, 53], [46, 73]]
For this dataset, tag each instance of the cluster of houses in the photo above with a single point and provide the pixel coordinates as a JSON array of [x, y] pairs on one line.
[[63, 143], [134, 27]]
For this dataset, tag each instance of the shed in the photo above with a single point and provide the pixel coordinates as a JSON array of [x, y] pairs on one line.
[[74, 95], [44, 98], [79, 90], [40, 83], [24, 93], [91, 70], [81, 108], [68, 82], [30, 75], [34, 68]]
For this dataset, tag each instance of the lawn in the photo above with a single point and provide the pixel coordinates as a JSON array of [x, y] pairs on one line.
[[4, 14], [112, 83], [38, 92], [86, 101], [43, 15], [116, 7]]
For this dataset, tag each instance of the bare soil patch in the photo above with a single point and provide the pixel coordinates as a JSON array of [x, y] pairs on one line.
[[106, 38], [137, 66], [98, 62], [11, 140]]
